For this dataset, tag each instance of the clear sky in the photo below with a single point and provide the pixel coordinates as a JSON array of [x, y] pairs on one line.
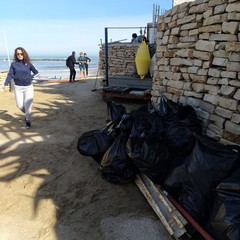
[[57, 27]]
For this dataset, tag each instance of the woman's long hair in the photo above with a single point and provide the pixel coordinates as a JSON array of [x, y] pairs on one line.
[[26, 58]]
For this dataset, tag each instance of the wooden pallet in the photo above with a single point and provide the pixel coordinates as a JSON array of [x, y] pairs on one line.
[[170, 217], [124, 92]]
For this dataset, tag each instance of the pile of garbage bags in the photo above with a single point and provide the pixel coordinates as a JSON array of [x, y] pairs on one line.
[[165, 142]]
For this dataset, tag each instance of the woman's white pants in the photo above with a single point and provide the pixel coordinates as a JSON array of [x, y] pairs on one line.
[[24, 99]]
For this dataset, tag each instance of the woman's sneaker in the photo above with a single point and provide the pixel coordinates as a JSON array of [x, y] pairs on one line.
[[28, 124]]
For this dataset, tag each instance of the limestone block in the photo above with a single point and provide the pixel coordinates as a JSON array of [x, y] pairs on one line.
[[208, 13], [231, 137], [208, 46], [199, 17], [203, 72], [201, 8], [235, 83], [230, 27], [198, 87], [227, 103], [193, 38], [237, 95], [187, 53], [204, 36], [215, 129], [214, 90], [223, 81], [233, 7], [175, 31], [194, 102], [198, 78], [220, 9], [186, 19], [215, 19], [234, 57], [202, 114], [213, 3], [222, 112], [186, 45], [213, 80], [236, 118], [177, 76], [233, 66], [223, 37], [234, 16], [221, 54], [206, 64], [184, 33], [213, 99], [181, 62], [233, 46], [202, 55], [173, 39], [193, 69], [193, 32], [197, 62], [187, 86], [218, 121], [189, 26], [193, 94], [214, 72], [174, 91], [186, 76], [227, 91], [220, 61], [232, 127]]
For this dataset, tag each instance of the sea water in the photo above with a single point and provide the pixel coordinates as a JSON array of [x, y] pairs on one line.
[[54, 67]]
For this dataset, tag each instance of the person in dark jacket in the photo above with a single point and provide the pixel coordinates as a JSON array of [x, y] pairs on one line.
[[70, 62], [87, 61], [22, 72]]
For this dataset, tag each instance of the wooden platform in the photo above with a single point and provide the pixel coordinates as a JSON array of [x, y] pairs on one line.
[[127, 87]]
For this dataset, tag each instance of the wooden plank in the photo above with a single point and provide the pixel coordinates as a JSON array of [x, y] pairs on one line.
[[170, 217]]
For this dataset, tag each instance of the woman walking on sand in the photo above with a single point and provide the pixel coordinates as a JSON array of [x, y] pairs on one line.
[[22, 72]]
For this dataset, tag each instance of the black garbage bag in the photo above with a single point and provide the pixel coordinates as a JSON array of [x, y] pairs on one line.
[[145, 124], [94, 143], [175, 177], [151, 158], [179, 136], [167, 107], [188, 117], [179, 139], [115, 165], [224, 222], [196, 204], [208, 164], [125, 125], [115, 111]]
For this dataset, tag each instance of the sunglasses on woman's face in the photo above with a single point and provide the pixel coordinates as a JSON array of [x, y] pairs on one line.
[[20, 54]]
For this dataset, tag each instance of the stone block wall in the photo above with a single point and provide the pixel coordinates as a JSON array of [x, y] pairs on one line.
[[198, 63], [121, 59]]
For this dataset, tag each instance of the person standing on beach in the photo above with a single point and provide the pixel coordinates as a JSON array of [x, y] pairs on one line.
[[70, 62], [82, 67], [88, 60], [22, 72]]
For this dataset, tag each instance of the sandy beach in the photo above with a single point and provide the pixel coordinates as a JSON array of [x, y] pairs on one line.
[[48, 191]]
